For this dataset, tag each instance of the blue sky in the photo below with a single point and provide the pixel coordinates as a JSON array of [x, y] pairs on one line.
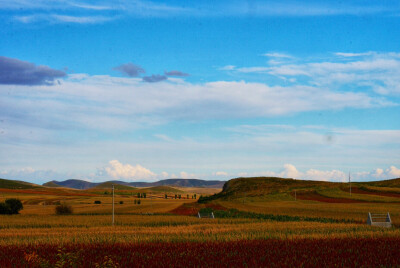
[[147, 90]]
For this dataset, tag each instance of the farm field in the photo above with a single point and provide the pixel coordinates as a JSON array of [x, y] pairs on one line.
[[38, 237]]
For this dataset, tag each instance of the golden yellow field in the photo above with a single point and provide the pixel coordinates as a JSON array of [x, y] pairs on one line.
[[245, 211], [24, 229], [152, 220]]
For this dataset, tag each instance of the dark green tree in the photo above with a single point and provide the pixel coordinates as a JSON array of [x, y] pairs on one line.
[[14, 204], [4, 209]]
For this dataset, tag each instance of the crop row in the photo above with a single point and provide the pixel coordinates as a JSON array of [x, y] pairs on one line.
[[254, 253]]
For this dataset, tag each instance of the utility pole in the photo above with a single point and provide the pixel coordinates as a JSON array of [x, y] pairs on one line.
[[350, 183], [113, 207]]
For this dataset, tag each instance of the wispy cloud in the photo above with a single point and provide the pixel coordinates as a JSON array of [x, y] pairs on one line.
[[142, 8], [350, 54], [56, 18], [227, 68], [277, 55], [378, 71]]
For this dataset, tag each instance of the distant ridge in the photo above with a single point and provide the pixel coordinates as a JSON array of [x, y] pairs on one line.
[[75, 184], [83, 185]]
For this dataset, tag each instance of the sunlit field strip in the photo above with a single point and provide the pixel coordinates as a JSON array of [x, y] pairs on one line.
[[354, 211], [172, 228]]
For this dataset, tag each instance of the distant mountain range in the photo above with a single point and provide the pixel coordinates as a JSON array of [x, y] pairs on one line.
[[81, 184]]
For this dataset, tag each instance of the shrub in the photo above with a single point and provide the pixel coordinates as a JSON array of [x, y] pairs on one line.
[[97, 202], [138, 202], [121, 202], [4, 209], [135, 201], [11, 206], [63, 209]]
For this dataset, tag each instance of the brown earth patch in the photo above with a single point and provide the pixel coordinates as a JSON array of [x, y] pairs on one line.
[[191, 209]]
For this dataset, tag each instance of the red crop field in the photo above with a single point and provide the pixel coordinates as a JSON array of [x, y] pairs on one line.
[[44, 192], [378, 252], [320, 198], [191, 209]]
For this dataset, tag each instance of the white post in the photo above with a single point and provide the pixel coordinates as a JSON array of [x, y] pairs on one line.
[[350, 183], [113, 207]]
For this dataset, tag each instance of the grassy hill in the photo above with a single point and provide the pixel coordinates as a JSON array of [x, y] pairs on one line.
[[279, 189], [12, 184], [385, 183]]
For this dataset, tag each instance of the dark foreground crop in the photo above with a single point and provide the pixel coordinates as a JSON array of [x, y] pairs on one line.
[[380, 252]]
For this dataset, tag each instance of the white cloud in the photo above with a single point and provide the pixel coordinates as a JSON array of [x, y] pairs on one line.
[[220, 173], [290, 171], [346, 54], [227, 68], [38, 176], [185, 175], [110, 104], [57, 18], [259, 69], [380, 174], [378, 71], [277, 55], [118, 170]]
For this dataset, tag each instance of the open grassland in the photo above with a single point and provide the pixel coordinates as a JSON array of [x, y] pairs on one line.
[[276, 223]]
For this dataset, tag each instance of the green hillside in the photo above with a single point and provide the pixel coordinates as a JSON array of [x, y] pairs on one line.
[[279, 189], [11, 184], [385, 183], [261, 186]]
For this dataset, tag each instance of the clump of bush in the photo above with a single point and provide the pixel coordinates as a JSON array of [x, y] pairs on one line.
[[63, 209], [11, 206], [121, 202], [97, 202]]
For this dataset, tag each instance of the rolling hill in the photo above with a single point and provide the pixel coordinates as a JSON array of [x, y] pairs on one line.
[[280, 189], [81, 184], [13, 184]]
